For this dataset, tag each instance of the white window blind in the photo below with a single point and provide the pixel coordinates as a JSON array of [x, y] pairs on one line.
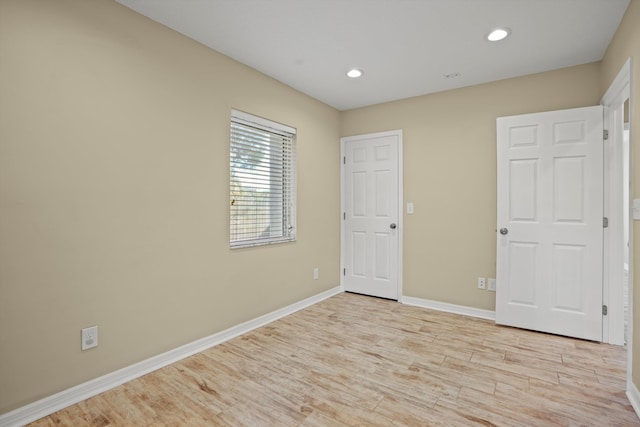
[[262, 181]]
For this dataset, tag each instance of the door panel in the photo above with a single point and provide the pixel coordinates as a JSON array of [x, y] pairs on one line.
[[523, 191], [568, 189], [522, 272], [568, 267], [371, 206], [550, 207]]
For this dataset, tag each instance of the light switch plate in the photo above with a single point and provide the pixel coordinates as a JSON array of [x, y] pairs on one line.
[[409, 208], [636, 209]]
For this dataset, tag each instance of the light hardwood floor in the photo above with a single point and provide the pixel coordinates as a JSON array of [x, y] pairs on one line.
[[355, 360]]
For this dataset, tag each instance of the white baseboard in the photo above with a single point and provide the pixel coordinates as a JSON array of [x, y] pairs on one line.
[[450, 308], [71, 396], [634, 397]]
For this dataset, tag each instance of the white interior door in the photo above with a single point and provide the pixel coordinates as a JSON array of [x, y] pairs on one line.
[[371, 214], [550, 222]]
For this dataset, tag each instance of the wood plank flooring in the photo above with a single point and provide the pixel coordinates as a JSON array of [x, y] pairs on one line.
[[355, 360]]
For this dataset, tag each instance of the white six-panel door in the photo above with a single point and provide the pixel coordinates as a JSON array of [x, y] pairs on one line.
[[550, 222], [371, 226]]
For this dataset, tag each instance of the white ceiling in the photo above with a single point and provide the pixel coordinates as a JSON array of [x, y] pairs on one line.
[[405, 47]]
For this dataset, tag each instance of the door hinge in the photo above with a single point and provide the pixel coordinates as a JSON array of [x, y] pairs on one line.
[[344, 271], [604, 310], [344, 215], [605, 222], [605, 134], [344, 160]]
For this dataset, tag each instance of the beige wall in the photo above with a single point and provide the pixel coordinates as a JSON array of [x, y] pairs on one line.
[[114, 198], [114, 194], [450, 173], [626, 44]]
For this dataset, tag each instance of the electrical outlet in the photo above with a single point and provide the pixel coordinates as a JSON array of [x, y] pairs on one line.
[[482, 283], [316, 273], [491, 285], [89, 337]]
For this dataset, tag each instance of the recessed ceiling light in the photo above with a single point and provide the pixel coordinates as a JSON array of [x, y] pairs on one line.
[[498, 34], [354, 73]]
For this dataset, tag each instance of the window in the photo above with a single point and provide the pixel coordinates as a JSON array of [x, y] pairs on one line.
[[262, 181]]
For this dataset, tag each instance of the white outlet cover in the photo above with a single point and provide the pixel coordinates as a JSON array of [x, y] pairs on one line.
[[491, 285], [89, 337]]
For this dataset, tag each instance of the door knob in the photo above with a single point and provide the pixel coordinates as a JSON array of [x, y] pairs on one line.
[[504, 231], [393, 226]]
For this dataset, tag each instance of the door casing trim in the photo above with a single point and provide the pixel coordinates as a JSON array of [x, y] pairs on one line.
[[613, 330]]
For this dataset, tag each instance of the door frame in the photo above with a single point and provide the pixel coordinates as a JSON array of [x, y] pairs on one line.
[[612, 290], [343, 142]]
